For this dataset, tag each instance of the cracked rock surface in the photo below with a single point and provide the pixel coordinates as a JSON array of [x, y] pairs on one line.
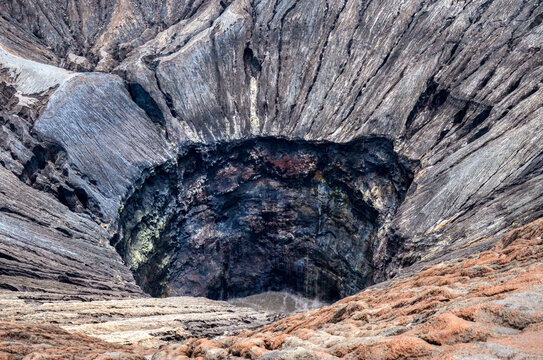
[[97, 98], [486, 306]]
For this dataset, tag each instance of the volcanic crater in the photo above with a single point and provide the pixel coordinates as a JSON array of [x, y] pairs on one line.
[[268, 214], [228, 148]]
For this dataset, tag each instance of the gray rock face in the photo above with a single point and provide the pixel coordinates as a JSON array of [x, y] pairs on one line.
[[117, 135], [454, 85], [62, 31], [47, 248]]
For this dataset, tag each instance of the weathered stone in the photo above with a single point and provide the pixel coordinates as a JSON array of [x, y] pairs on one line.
[[455, 86], [47, 248], [440, 313], [246, 217], [109, 141], [144, 322], [23, 341]]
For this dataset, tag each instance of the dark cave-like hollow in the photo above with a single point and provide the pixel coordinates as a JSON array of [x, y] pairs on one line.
[[240, 218]]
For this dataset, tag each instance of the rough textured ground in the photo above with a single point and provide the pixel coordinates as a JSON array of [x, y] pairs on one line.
[[25, 341], [144, 323], [486, 306]]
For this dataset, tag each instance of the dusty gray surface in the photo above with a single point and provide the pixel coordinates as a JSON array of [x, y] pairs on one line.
[[149, 323]]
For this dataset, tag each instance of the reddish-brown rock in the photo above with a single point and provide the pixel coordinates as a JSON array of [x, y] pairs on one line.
[[489, 304], [18, 341]]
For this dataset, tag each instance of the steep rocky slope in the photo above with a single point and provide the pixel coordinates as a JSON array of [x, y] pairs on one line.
[[136, 137], [251, 216], [454, 85], [48, 249]]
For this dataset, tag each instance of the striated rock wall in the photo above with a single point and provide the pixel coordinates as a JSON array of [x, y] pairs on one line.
[[109, 145], [157, 125], [454, 85], [46, 248]]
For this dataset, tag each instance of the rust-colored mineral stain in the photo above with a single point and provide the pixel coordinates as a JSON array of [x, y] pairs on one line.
[[446, 311]]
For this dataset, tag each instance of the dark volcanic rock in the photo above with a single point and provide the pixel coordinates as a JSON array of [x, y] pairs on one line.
[[241, 218]]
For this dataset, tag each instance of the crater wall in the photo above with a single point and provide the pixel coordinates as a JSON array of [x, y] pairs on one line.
[[454, 85], [245, 217]]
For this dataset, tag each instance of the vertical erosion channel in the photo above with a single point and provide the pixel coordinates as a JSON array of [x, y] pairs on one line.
[[240, 218]]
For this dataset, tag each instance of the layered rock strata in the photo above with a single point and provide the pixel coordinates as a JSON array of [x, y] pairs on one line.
[[47, 249], [143, 323], [37, 341]]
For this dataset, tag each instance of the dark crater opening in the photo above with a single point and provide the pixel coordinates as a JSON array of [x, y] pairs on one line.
[[240, 218]]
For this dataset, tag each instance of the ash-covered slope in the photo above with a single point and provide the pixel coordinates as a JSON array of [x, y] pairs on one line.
[[455, 86]]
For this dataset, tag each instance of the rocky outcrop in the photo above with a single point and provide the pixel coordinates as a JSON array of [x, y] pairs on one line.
[[86, 35], [47, 248], [116, 135], [489, 305], [55, 217]]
